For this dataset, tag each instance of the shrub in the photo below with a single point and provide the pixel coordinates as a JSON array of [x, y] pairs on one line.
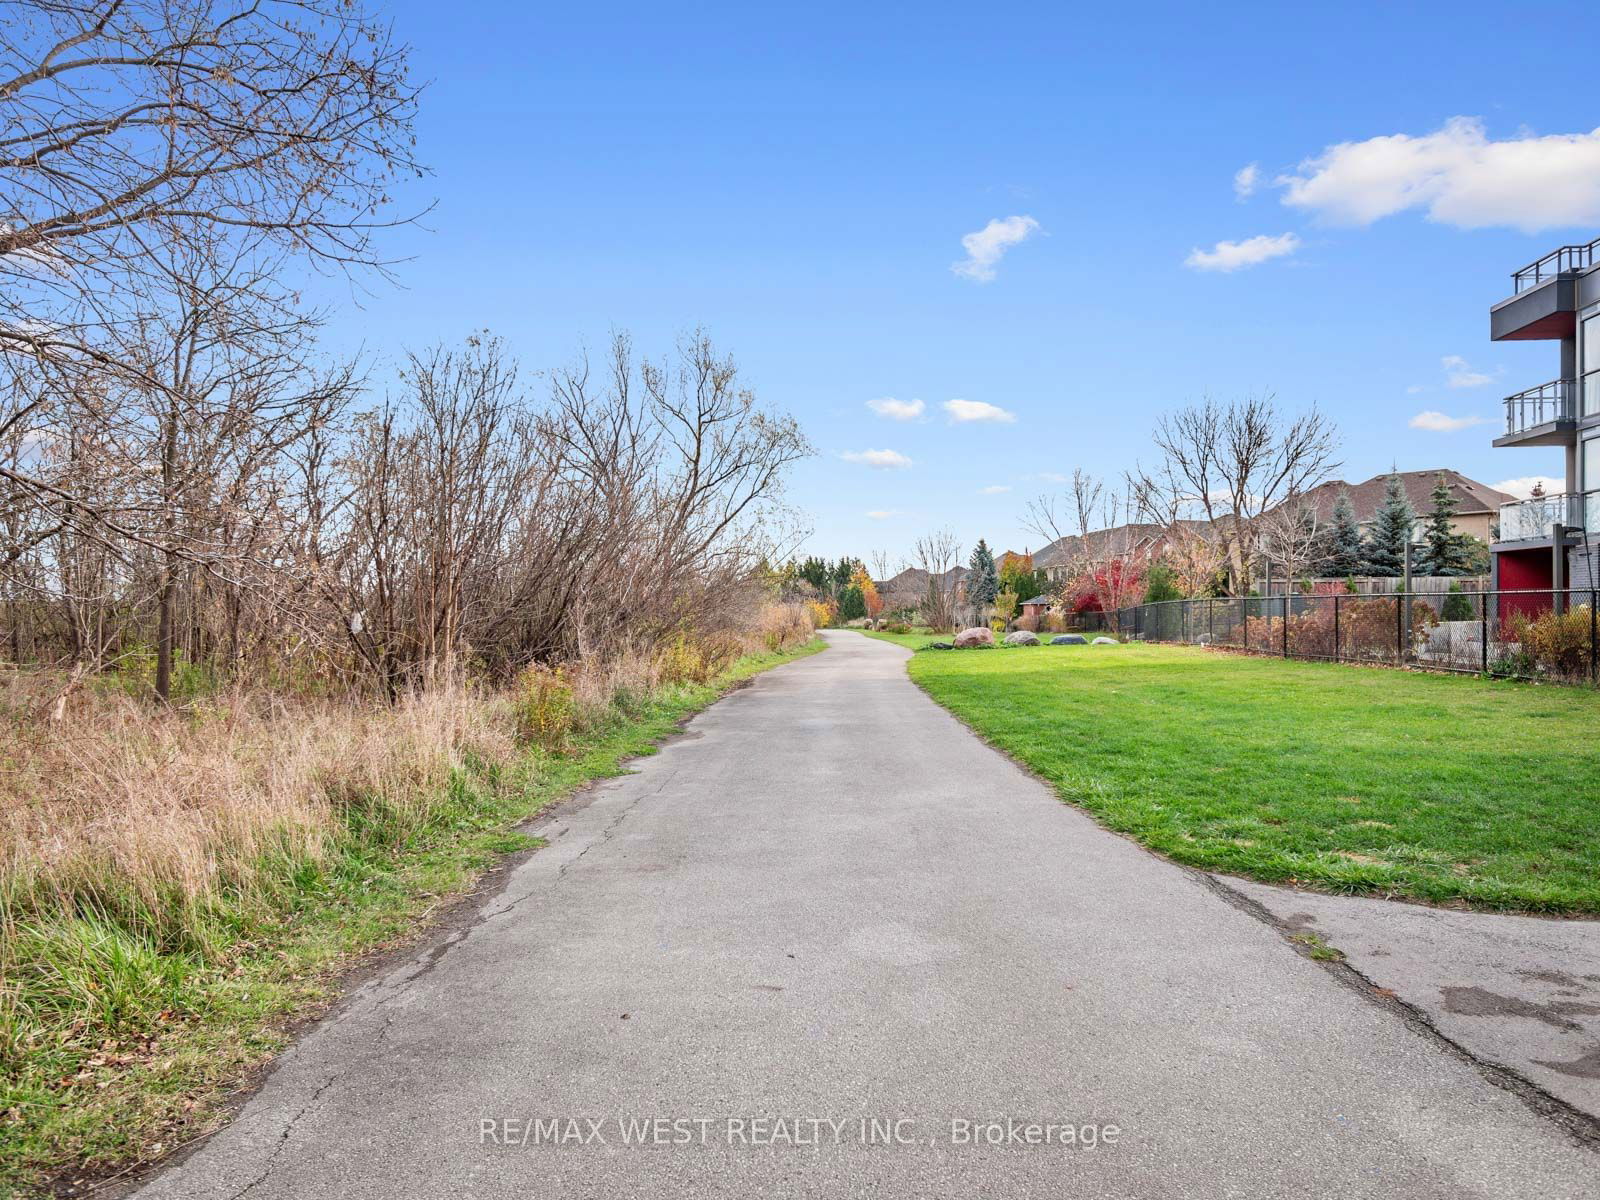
[[784, 625], [682, 662], [1513, 664], [546, 707], [1366, 629], [1160, 584], [1456, 606], [134, 673], [1559, 643], [1029, 623]]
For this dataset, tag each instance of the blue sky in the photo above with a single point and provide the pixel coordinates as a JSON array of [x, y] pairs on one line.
[[798, 180]]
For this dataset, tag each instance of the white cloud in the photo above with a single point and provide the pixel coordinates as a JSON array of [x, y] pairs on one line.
[[883, 514], [896, 410], [1231, 256], [882, 460], [1438, 422], [1052, 476], [994, 489], [1414, 389], [1458, 175], [986, 246], [1523, 486], [1245, 180], [962, 411], [1459, 374]]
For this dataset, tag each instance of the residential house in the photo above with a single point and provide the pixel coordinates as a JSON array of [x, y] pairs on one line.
[[909, 588], [1477, 504], [1070, 555], [1038, 606]]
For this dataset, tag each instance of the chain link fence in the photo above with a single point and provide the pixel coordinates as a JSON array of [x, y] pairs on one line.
[[1551, 635]]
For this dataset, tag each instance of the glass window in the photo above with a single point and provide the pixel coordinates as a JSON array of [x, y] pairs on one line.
[[1591, 465], [1589, 364]]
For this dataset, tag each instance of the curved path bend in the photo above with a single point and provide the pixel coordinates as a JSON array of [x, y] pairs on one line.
[[829, 901]]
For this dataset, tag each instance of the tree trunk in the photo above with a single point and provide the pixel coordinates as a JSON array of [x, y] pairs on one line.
[[164, 630]]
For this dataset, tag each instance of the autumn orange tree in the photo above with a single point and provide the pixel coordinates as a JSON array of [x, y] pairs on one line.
[[860, 580], [1017, 575]]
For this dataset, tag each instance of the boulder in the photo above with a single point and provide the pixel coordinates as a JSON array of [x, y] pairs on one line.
[[1021, 638], [969, 639], [1104, 641], [940, 646], [1069, 639]]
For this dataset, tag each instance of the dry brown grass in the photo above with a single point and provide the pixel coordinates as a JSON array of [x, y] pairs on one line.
[[145, 814], [176, 883], [123, 807]]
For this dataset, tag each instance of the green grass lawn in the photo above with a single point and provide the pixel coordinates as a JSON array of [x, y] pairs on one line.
[[1436, 787]]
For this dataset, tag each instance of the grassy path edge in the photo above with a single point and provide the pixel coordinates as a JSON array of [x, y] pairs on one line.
[[1096, 797], [159, 1101]]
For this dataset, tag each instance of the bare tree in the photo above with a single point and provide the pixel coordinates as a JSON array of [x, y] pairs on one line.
[[1102, 549], [139, 133], [1293, 538], [881, 568], [1194, 555], [936, 555], [1232, 463]]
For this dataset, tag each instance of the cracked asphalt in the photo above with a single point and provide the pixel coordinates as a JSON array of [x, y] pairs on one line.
[[1520, 992], [831, 903]]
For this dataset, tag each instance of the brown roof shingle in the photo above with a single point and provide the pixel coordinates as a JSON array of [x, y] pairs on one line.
[[1470, 495]]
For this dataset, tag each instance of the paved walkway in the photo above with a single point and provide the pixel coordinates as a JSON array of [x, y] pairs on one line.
[[830, 902], [1521, 993]]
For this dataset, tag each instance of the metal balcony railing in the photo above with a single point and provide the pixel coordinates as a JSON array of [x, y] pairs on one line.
[[1528, 519], [1567, 258], [1553, 401]]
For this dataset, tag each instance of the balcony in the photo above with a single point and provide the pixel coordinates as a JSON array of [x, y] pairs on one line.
[[1546, 415], [1557, 262], [1534, 520], [1547, 293]]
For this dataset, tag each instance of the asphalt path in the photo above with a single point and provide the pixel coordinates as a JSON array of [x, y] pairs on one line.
[[829, 943]]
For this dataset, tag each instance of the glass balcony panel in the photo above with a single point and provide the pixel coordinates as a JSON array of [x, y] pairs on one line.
[[1566, 258], [1541, 405], [1529, 519]]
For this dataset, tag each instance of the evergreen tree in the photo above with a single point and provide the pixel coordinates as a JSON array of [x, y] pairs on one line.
[[852, 604], [1346, 554], [983, 584], [1391, 530], [842, 570], [1456, 606], [1445, 551], [815, 572], [1161, 583]]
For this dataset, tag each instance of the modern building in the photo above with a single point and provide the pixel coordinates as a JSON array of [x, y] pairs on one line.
[[1550, 541]]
